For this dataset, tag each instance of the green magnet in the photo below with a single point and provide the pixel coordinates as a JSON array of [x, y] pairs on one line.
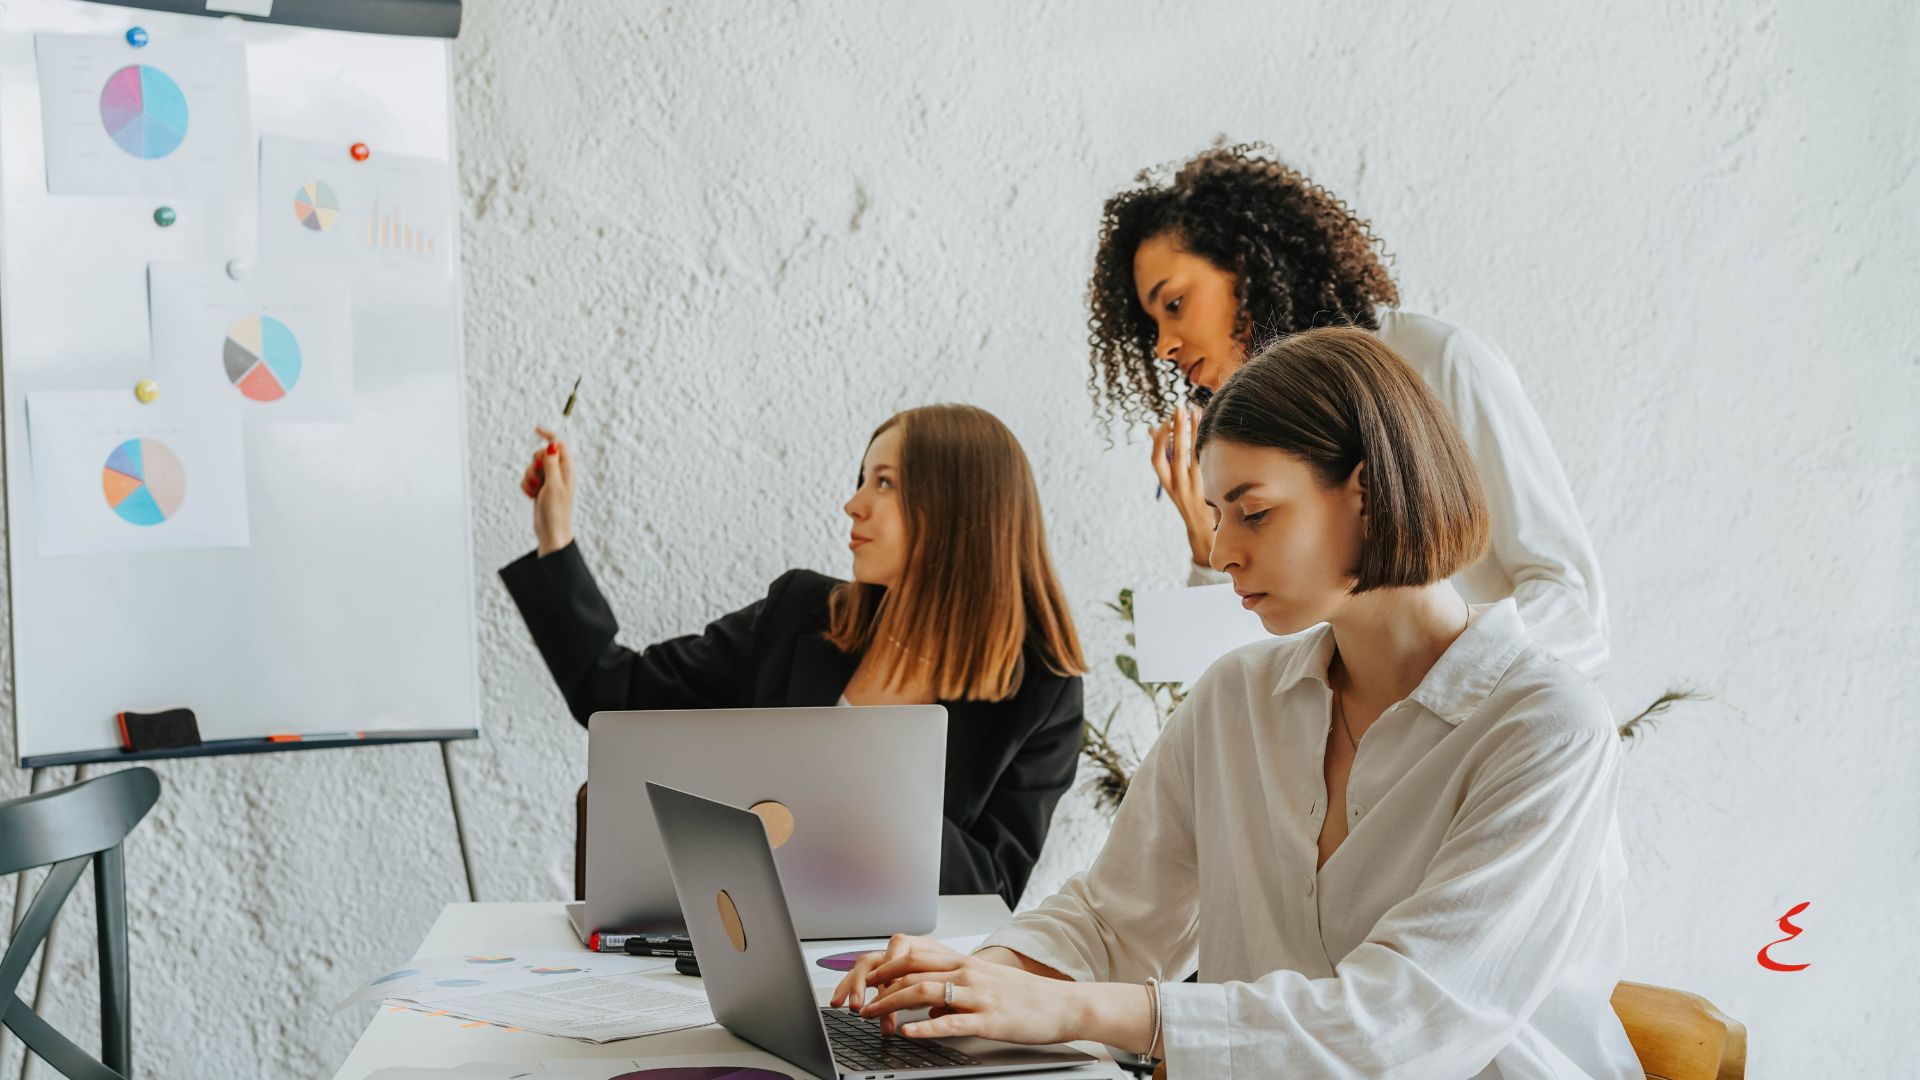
[[164, 216]]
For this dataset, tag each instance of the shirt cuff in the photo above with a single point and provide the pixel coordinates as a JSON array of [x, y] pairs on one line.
[[1038, 946], [1195, 1032]]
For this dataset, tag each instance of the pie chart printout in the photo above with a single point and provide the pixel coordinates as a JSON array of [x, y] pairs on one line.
[[144, 481], [144, 111], [315, 206], [841, 961], [262, 358]]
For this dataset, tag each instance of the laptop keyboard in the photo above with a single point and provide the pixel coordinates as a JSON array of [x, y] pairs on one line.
[[858, 1044]]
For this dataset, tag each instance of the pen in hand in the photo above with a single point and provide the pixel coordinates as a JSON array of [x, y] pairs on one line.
[[573, 396], [536, 477]]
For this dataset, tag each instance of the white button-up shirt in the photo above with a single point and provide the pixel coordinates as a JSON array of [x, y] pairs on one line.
[[1470, 925], [1540, 554]]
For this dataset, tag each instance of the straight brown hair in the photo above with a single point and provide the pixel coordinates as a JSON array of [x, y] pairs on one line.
[[1339, 397], [978, 582]]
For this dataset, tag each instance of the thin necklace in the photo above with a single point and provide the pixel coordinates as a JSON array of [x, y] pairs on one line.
[[902, 646], [1340, 714]]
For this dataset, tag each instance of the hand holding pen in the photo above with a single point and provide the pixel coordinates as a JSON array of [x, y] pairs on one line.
[[548, 481]]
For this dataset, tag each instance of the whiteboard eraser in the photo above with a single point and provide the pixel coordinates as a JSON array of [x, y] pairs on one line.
[[169, 729]]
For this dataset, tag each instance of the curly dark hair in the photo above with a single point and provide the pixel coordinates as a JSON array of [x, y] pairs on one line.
[[1298, 255]]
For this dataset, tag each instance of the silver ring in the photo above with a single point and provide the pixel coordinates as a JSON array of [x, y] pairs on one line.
[[949, 995]]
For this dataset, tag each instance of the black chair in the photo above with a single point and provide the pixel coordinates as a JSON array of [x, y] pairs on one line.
[[63, 829]]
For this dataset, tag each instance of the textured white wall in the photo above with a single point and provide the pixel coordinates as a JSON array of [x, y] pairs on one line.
[[760, 228]]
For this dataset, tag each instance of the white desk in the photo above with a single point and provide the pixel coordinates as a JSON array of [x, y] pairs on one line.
[[409, 1038]]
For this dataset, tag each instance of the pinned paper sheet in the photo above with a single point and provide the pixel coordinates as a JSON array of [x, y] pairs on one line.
[[278, 340], [170, 118], [1179, 633], [111, 474], [388, 218]]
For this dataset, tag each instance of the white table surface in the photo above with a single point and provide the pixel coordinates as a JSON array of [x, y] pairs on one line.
[[405, 1037]]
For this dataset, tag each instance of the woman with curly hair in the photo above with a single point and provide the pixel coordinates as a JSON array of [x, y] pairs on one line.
[[1195, 272]]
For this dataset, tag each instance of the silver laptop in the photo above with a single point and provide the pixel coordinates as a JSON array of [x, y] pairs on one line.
[[756, 976], [853, 867]]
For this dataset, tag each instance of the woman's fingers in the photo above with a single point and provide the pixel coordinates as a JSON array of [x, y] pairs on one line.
[[1162, 468], [855, 977], [863, 973], [929, 991], [545, 435], [907, 955], [1182, 442], [945, 1026]]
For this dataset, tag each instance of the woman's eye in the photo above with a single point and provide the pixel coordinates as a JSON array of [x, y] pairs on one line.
[[1253, 518], [1173, 306], [883, 482]]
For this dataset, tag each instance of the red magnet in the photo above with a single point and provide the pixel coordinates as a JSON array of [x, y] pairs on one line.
[[360, 151]]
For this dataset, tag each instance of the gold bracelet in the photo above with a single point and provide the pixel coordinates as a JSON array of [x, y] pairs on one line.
[[1153, 1013]]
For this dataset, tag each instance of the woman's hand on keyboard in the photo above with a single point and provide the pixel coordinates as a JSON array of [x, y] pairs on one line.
[[991, 1000]]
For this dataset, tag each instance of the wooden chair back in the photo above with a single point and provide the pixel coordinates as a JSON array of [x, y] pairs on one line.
[[1680, 1036]]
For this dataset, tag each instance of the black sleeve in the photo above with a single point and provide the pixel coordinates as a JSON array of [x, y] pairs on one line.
[[996, 855], [575, 629]]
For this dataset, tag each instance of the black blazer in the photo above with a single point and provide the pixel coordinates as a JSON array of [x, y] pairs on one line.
[[1008, 762]]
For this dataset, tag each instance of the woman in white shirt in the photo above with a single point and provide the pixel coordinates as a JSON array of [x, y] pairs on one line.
[[1194, 273], [1446, 904]]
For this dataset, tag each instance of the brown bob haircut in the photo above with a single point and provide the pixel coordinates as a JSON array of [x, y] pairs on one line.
[[978, 583], [1337, 398]]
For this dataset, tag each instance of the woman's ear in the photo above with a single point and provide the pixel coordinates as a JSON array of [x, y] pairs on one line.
[[1357, 487]]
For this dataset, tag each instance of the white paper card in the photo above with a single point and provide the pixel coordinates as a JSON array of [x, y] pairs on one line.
[[590, 1008], [735, 1063], [388, 218], [466, 973], [111, 474], [278, 341], [1179, 633], [171, 118]]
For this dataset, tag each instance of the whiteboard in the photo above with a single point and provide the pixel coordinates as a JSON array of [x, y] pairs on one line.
[[353, 608]]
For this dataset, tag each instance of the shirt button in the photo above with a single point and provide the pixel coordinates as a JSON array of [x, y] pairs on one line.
[[1358, 810], [1309, 886]]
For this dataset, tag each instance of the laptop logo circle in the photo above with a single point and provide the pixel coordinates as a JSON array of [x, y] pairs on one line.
[[778, 819], [730, 918]]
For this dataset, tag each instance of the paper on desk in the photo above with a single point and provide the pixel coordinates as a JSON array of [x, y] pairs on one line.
[[591, 1008], [442, 978], [602, 1069], [1179, 633]]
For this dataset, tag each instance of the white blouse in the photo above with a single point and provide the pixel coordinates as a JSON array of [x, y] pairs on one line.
[[1540, 554], [1470, 925]]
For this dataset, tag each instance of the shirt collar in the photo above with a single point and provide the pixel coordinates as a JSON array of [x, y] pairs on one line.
[[1457, 684], [1467, 672]]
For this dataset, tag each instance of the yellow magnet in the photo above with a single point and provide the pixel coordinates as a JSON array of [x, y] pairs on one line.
[[146, 390]]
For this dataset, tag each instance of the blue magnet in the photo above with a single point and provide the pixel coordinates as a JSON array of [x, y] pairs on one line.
[[137, 37], [164, 216]]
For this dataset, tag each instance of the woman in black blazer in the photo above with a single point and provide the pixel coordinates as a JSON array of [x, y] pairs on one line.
[[953, 600]]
